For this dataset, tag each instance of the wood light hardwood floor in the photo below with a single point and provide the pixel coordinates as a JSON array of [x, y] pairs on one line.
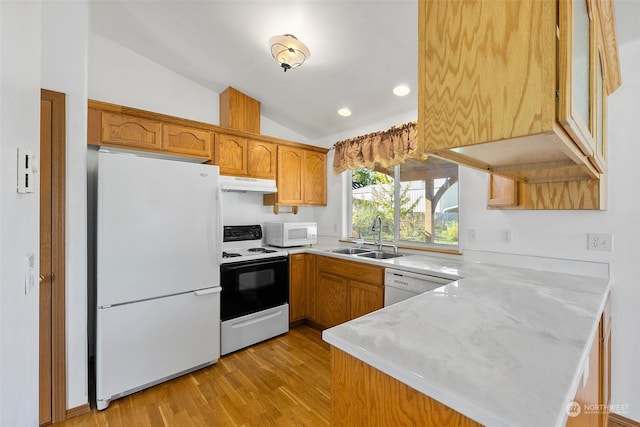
[[280, 382]]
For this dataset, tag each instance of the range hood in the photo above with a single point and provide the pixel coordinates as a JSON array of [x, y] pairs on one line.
[[242, 184]]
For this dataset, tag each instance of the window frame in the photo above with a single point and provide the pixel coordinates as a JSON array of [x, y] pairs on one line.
[[438, 247]]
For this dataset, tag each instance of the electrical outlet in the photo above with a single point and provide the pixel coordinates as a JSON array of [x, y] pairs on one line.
[[600, 242], [506, 236], [471, 234]]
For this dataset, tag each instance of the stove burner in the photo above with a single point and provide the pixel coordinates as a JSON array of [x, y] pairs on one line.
[[229, 254], [261, 250]]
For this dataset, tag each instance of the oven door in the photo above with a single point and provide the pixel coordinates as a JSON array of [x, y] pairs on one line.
[[252, 286]]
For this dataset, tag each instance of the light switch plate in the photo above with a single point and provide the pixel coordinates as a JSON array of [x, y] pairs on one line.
[[29, 273], [26, 171]]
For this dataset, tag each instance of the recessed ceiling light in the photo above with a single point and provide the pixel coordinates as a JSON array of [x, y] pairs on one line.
[[401, 90], [344, 112]]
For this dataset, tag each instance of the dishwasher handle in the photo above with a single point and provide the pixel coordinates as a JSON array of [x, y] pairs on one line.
[[419, 276]]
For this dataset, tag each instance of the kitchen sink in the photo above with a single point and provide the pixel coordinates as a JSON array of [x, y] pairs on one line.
[[350, 251], [380, 255]]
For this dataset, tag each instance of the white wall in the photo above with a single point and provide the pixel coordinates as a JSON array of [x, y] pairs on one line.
[[19, 213], [562, 234], [65, 29]]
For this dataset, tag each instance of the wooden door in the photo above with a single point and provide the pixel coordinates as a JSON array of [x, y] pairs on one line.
[[332, 299], [290, 177], [297, 284], [231, 154], [52, 372], [315, 178], [262, 160], [364, 298]]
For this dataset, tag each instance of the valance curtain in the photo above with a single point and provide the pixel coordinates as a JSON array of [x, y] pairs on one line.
[[387, 148]]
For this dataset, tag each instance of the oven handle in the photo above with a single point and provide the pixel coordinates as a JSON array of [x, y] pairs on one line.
[[255, 263]]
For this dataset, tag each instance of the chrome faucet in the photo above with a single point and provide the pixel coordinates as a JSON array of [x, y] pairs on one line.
[[378, 220]]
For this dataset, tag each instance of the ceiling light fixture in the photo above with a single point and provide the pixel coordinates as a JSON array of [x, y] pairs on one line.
[[288, 51], [401, 90], [344, 112]]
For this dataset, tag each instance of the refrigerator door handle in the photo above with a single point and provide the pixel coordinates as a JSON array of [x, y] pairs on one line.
[[208, 291]]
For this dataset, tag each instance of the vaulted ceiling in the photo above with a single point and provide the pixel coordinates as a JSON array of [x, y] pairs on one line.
[[360, 50]]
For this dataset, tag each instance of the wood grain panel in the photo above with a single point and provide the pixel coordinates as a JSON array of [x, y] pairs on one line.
[[486, 71], [562, 195], [332, 301], [261, 162], [315, 178], [186, 140], [359, 271], [311, 307], [231, 154], [297, 287], [290, 175], [130, 131], [503, 192], [364, 396], [607, 20], [239, 111], [364, 298]]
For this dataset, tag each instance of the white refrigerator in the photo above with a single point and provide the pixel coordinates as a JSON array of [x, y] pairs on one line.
[[158, 243]]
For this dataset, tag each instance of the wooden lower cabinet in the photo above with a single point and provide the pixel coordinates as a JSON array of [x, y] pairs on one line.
[[364, 396], [594, 395], [297, 285], [346, 290], [311, 295]]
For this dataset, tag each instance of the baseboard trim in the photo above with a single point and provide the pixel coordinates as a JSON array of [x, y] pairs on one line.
[[78, 410], [622, 421]]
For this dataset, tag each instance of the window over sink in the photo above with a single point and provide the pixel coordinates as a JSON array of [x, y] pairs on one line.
[[417, 200]]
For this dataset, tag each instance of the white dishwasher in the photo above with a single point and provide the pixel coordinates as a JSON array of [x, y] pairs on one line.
[[400, 285]]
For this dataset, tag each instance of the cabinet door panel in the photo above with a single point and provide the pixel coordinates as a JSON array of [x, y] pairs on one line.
[[575, 72], [297, 284], [130, 131], [332, 300], [262, 160], [363, 299], [186, 140], [290, 178], [315, 178], [231, 155], [503, 192], [311, 307]]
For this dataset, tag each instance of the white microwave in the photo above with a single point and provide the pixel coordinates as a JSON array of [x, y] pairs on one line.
[[287, 234]]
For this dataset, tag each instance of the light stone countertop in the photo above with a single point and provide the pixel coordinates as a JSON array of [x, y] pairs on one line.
[[503, 346]]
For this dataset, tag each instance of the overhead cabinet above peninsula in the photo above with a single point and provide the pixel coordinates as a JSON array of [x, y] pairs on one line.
[[511, 87]]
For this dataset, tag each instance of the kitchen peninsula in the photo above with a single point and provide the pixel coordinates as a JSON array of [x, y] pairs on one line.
[[500, 347]]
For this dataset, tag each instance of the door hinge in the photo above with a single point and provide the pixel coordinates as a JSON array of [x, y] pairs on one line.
[[557, 95]]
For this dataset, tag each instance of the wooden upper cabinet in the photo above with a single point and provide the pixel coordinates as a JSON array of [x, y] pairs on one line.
[[129, 131], [187, 140], [301, 177], [506, 86], [503, 192], [231, 154], [239, 156], [315, 178], [123, 127], [239, 111], [261, 160], [575, 76], [290, 178]]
